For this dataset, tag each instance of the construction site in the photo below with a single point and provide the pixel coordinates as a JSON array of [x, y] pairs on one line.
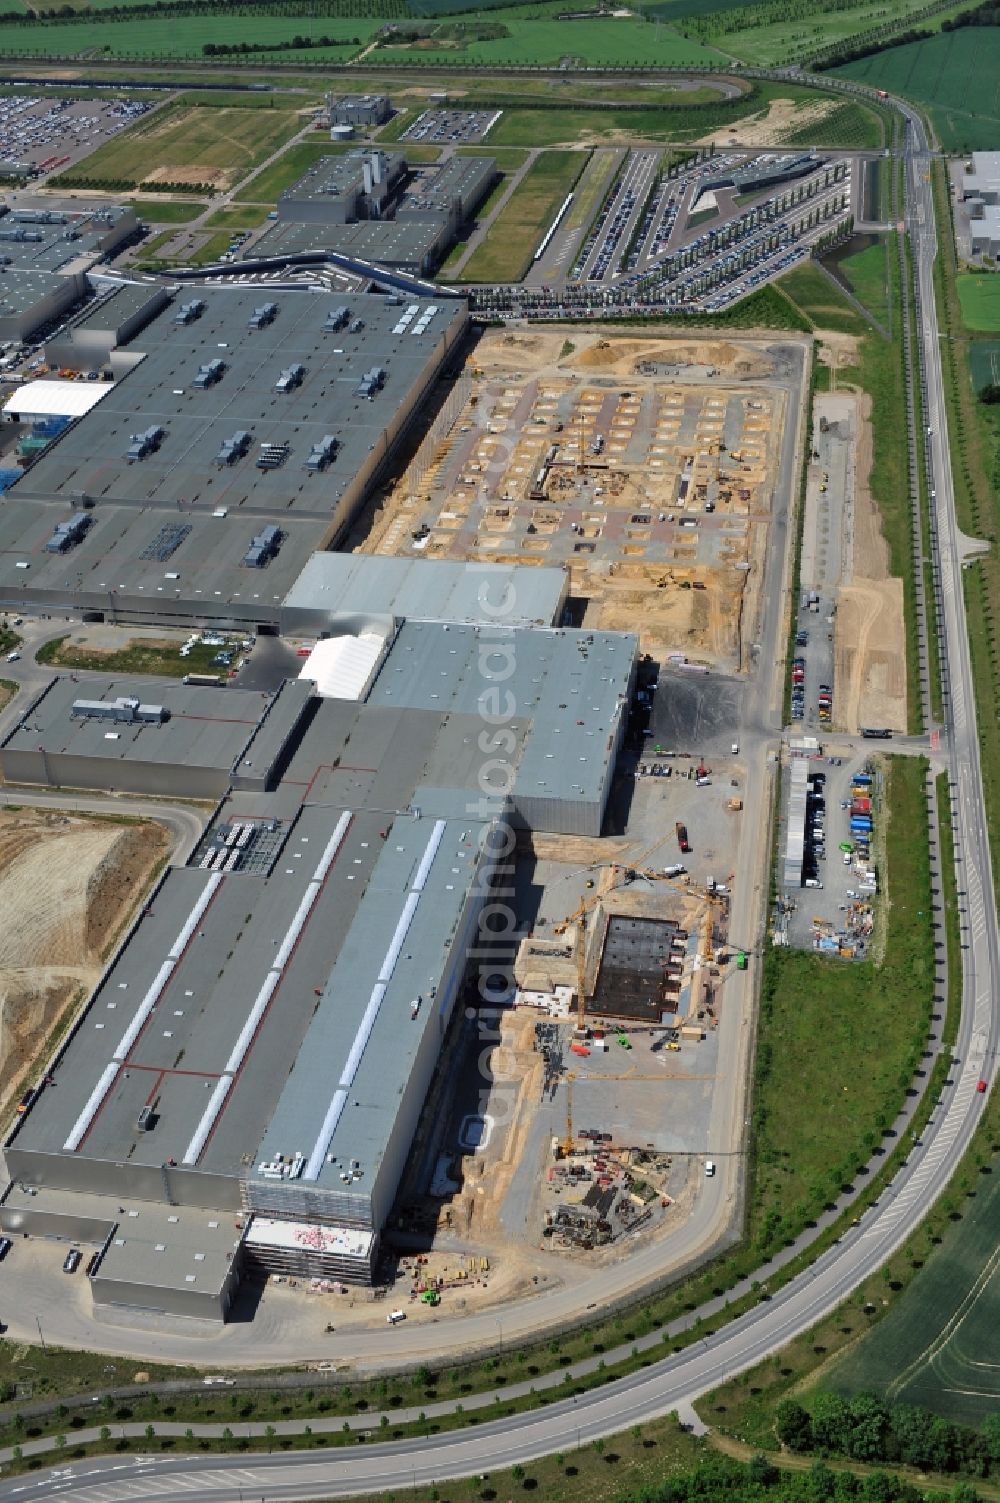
[[646, 467]]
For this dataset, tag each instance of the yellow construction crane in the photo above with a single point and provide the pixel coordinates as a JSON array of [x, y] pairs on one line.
[[566, 1146]]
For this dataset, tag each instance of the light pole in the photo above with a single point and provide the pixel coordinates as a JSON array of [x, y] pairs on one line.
[[38, 1323]]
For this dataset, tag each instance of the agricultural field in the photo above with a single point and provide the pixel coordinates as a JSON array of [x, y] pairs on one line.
[[848, 125], [773, 32], [946, 74], [505, 254], [196, 145], [979, 295], [937, 1348], [160, 38], [550, 43]]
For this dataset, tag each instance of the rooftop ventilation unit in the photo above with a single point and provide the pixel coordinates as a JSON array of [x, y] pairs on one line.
[[371, 382], [357, 325], [291, 377], [234, 447], [68, 533], [272, 456], [323, 453], [335, 319], [262, 548], [209, 374], [262, 316], [147, 442], [188, 312], [124, 709]]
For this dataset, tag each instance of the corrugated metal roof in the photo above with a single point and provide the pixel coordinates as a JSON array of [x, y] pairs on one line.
[[423, 590]]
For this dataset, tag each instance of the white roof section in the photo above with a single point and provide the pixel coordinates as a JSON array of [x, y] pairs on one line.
[[348, 1241], [795, 841], [345, 667], [56, 398]]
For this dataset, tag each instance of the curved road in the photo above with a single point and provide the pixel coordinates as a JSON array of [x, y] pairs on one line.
[[678, 1379]]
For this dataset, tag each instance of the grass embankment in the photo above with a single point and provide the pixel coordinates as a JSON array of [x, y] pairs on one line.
[[879, 372], [817, 1117], [140, 656], [974, 430], [506, 252]]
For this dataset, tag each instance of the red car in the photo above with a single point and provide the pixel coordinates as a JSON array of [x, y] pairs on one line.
[[982, 1088]]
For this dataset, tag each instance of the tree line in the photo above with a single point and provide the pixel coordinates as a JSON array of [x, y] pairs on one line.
[[867, 1428]]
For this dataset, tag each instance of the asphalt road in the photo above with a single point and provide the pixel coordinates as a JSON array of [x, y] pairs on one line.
[[676, 1380]]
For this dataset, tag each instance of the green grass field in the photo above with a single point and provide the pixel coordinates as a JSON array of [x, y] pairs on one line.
[[550, 42], [506, 253], [167, 210], [203, 145], [163, 38], [817, 1115], [866, 273], [979, 295], [848, 125], [946, 73], [237, 217]]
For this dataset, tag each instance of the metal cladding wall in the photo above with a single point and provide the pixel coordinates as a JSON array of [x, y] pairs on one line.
[[26, 1222], [65, 291], [187, 1303], [118, 774], [72, 1171]]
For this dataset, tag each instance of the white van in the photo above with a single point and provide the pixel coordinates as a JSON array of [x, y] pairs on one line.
[[395, 1316], [709, 1168]]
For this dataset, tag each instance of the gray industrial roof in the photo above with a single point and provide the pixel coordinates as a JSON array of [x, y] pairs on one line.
[[351, 1013], [336, 174], [351, 758], [358, 584], [394, 241], [182, 473], [572, 686], [120, 301], [203, 576], [180, 485], [206, 727]]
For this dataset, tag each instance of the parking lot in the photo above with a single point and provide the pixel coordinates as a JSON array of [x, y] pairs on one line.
[[46, 135], [451, 127], [834, 911]]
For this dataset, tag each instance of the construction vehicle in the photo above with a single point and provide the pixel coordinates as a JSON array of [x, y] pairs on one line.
[[430, 1297]]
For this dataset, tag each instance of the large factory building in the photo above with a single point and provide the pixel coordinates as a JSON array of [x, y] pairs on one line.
[[244, 1086]]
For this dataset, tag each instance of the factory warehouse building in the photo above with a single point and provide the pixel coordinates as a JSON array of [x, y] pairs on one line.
[[246, 430], [244, 1086]]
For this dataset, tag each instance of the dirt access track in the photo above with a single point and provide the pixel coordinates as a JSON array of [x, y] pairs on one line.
[[68, 885], [646, 466]]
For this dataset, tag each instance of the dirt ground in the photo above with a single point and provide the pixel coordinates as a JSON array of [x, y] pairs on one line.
[[770, 127], [67, 887], [869, 638], [658, 460]]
